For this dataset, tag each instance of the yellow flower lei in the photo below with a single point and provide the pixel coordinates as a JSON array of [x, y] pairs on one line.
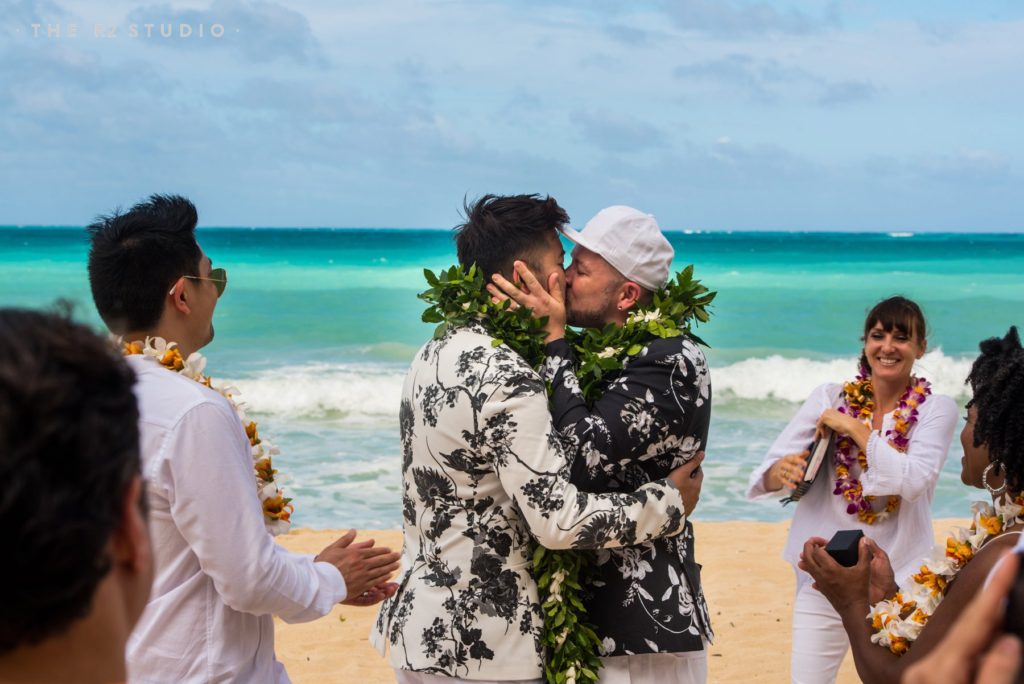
[[898, 622], [277, 508]]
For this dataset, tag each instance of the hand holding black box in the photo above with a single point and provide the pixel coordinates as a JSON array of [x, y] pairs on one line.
[[844, 547]]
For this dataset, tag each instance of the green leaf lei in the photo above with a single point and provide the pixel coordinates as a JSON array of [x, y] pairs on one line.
[[459, 297], [675, 308]]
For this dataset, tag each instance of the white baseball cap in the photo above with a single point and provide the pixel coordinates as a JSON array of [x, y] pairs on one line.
[[630, 241]]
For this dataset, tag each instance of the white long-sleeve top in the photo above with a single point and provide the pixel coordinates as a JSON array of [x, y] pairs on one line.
[[219, 574], [905, 535]]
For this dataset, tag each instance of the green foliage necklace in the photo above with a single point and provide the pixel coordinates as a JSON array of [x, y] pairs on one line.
[[458, 298]]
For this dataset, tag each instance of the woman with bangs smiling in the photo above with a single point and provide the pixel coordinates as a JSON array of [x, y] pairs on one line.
[[892, 436]]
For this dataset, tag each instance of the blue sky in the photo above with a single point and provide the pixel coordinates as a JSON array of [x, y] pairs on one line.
[[711, 114]]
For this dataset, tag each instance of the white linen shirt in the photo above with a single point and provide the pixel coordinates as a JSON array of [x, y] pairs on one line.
[[907, 534], [219, 574]]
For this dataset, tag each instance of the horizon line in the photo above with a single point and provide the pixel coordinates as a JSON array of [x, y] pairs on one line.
[[895, 233]]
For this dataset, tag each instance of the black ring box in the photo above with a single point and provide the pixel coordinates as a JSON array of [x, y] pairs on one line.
[[843, 547]]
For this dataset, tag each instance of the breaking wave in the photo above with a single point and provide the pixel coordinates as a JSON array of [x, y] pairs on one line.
[[370, 392], [792, 379], [350, 392]]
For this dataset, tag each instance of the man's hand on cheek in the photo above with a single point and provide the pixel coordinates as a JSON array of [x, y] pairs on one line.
[[549, 302]]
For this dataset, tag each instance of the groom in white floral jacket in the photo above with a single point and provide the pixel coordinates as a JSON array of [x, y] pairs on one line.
[[484, 473]]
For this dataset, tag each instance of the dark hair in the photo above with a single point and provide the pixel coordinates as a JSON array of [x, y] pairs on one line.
[[500, 229], [69, 447], [136, 257], [997, 388], [897, 313]]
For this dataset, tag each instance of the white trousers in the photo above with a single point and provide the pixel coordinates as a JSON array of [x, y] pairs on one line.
[[646, 668], [819, 640], [655, 668], [410, 677]]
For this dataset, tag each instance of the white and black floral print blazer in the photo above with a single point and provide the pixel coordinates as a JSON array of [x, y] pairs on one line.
[[485, 472], [653, 416]]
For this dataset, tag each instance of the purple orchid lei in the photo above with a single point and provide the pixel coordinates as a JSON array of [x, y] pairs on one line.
[[860, 404]]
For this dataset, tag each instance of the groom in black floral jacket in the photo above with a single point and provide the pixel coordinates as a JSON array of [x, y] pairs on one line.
[[653, 415]]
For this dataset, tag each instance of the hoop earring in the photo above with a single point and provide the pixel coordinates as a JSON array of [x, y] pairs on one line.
[[984, 479]]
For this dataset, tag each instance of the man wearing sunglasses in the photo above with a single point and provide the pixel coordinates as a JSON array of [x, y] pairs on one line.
[[219, 575], [218, 276], [203, 302]]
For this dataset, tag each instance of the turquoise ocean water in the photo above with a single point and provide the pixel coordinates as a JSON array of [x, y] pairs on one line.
[[317, 326]]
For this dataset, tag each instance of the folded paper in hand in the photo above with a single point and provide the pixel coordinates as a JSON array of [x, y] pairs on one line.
[[821, 452]]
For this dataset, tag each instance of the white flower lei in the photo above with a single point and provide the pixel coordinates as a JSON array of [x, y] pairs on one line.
[[277, 508], [898, 622]]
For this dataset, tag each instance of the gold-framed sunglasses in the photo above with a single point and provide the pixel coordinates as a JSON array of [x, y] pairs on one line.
[[218, 276]]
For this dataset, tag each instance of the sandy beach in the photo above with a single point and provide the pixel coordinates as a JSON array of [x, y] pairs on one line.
[[752, 635]]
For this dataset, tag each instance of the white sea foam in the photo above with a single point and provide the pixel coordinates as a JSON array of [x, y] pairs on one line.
[[336, 424], [370, 393], [792, 379], [350, 392]]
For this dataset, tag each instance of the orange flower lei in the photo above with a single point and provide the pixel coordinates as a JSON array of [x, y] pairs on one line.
[[897, 622], [860, 404], [277, 508]]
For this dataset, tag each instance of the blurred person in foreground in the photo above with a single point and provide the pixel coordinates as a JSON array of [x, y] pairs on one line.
[[219, 574], [976, 650], [72, 507], [893, 620]]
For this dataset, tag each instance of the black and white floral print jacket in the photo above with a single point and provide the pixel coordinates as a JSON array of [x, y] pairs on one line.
[[484, 472], [652, 417]]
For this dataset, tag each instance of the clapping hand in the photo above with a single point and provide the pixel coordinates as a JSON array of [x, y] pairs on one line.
[[373, 595], [365, 568]]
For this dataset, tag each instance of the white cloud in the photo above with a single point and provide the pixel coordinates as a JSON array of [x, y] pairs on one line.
[[386, 113], [726, 17], [616, 132]]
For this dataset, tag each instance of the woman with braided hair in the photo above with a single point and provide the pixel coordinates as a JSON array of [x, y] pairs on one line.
[[995, 414], [907, 621]]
